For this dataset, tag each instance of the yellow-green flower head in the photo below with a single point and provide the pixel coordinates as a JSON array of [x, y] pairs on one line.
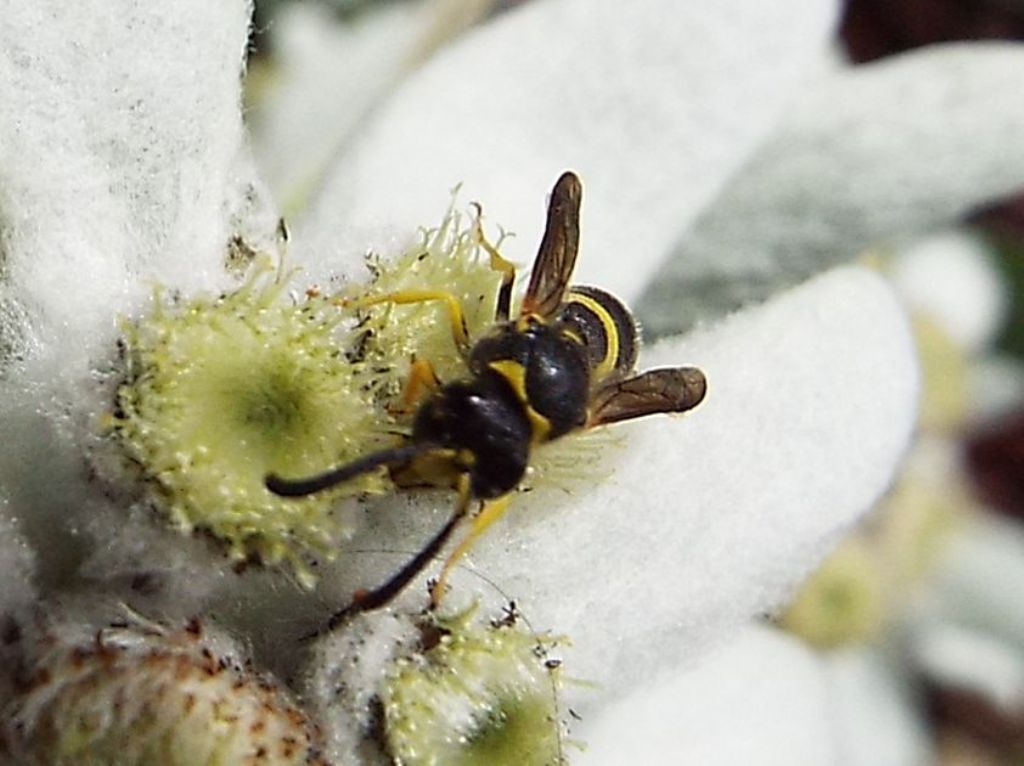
[[219, 391], [447, 258], [944, 372], [844, 601], [483, 695], [922, 513], [144, 695]]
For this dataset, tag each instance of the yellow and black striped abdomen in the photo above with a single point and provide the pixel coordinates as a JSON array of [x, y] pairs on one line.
[[605, 328]]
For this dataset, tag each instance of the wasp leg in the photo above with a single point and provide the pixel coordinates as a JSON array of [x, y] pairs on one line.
[[497, 263], [672, 389], [456, 317], [367, 601], [422, 380], [491, 512]]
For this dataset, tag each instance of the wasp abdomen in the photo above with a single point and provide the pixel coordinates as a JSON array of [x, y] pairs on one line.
[[605, 327]]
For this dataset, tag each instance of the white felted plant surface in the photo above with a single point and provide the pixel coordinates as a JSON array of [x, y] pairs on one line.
[[574, 66], [951, 278], [124, 164], [766, 698], [770, 229], [762, 699]]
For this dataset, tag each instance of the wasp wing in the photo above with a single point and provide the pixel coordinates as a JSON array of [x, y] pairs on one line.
[[672, 389], [556, 257]]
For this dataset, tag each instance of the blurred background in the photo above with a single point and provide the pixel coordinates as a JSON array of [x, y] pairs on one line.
[[929, 590]]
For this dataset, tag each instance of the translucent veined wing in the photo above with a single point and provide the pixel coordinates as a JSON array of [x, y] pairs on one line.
[[556, 257]]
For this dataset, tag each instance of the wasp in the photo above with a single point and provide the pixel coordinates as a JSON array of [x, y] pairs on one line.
[[564, 364]]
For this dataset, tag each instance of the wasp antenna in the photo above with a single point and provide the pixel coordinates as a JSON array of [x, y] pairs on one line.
[[368, 601], [321, 481]]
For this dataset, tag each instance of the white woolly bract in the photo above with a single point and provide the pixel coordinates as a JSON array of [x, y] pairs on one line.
[[653, 116], [951, 277], [119, 163], [759, 699]]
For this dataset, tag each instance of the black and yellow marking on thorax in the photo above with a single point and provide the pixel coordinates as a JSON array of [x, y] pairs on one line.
[[544, 367], [515, 374], [605, 328]]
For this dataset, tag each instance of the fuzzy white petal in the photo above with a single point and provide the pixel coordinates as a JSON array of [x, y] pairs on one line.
[[975, 582], [872, 153], [327, 77], [968, 659], [761, 699], [995, 382], [119, 129], [709, 519], [873, 711], [653, 103], [121, 164], [952, 278]]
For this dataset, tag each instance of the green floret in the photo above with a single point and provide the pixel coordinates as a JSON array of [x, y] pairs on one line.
[[446, 258], [481, 695], [221, 391]]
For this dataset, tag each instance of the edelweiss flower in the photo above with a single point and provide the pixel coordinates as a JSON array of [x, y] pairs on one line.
[[124, 163]]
